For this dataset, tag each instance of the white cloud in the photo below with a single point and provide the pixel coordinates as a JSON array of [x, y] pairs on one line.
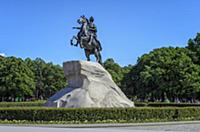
[[2, 54]]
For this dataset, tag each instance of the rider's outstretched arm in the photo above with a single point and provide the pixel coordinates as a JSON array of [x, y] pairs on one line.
[[76, 27]]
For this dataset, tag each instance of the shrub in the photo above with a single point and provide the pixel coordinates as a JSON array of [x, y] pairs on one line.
[[100, 114], [22, 104], [160, 104], [137, 104], [140, 104]]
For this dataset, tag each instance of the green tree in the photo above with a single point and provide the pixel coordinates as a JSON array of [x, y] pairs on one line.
[[49, 78], [38, 66], [115, 70], [194, 47], [118, 73], [16, 79], [165, 71], [54, 79]]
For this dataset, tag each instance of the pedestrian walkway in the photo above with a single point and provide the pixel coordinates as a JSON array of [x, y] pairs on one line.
[[189, 126]]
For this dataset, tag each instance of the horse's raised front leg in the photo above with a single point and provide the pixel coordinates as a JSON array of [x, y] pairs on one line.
[[71, 41], [74, 37], [77, 41]]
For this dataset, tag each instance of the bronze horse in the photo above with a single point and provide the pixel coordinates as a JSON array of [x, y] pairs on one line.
[[83, 39]]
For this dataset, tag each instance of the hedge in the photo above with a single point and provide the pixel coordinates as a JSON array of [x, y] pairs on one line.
[[94, 115], [162, 104], [137, 104], [22, 104], [140, 104]]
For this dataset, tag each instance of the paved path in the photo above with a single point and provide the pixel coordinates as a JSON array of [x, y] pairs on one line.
[[169, 128], [193, 126], [43, 129]]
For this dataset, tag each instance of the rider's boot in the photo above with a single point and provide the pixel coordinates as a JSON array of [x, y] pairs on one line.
[[99, 44], [81, 44], [90, 40]]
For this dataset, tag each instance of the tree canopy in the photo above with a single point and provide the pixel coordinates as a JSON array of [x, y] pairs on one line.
[[29, 79], [194, 47], [165, 72], [16, 79]]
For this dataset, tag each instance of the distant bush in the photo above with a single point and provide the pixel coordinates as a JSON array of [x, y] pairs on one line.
[[137, 104], [22, 104], [94, 115], [140, 104], [162, 104], [172, 104]]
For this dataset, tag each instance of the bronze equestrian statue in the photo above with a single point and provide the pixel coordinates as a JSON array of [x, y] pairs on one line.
[[87, 38]]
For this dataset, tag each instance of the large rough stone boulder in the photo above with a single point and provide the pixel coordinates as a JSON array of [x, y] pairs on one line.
[[89, 85]]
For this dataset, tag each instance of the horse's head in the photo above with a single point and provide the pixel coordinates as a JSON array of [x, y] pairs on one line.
[[82, 20]]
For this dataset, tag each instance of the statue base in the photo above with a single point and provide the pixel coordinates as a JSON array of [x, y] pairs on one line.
[[89, 85]]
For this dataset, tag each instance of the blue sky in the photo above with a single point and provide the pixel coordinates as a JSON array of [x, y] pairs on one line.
[[126, 28]]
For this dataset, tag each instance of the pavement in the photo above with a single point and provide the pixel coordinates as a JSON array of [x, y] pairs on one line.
[[42, 129], [186, 126]]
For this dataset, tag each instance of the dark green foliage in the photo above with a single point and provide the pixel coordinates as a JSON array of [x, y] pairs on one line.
[[165, 73], [97, 114], [162, 104], [117, 72], [22, 104], [194, 47], [16, 79], [30, 79], [137, 104], [49, 78], [159, 104], [140, 104]]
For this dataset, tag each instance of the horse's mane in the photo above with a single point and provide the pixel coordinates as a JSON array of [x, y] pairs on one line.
[[87, 21]]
